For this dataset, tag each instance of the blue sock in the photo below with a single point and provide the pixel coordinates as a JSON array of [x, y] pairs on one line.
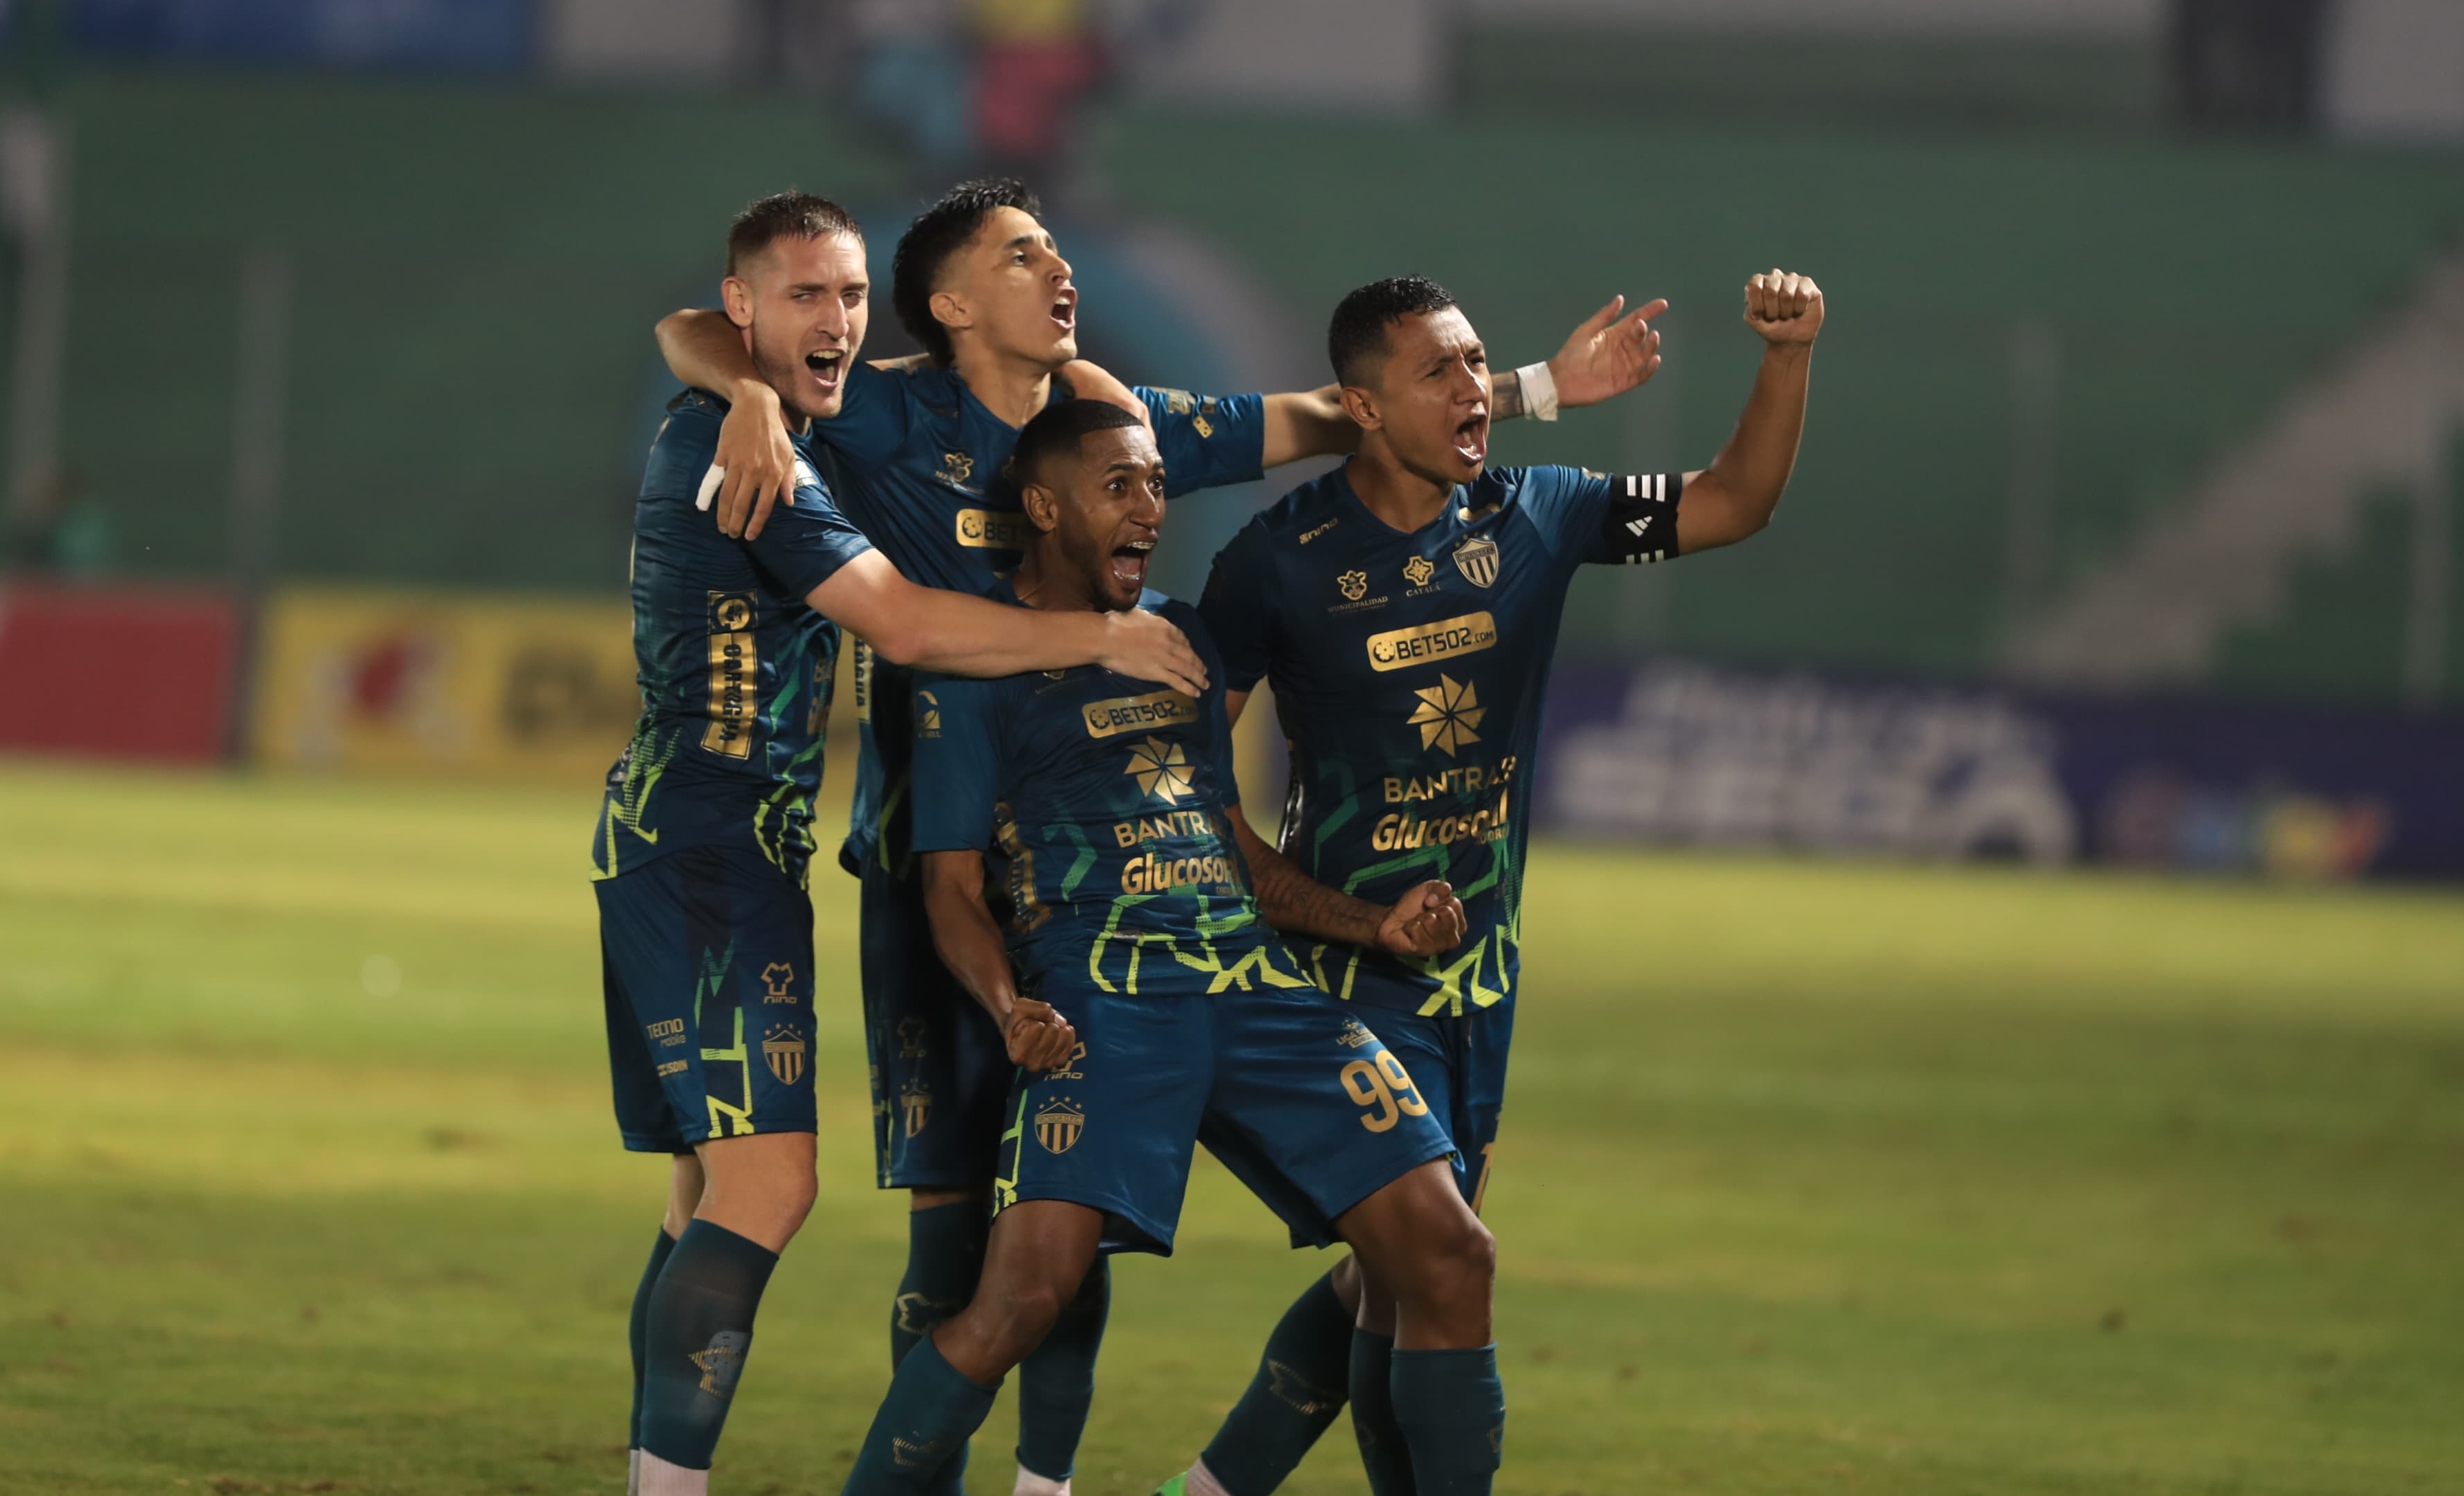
[[1298, 1389], [945, 1255], [638, 1331], [1383, 1452], [1056, 1384], [927, 1418], [695, 1334], [1453, 1412]]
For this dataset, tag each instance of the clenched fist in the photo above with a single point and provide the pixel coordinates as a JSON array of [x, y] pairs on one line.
[[1427, 921], [1038, 1037], [1781, 307]]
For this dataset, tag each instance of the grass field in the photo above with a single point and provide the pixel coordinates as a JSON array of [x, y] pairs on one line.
[[1814, 1179]]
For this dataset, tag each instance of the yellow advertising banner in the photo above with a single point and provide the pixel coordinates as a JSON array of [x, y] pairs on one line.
[[437, 682]]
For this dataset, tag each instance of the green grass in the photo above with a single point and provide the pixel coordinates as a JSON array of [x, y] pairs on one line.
[[1815, 1178]]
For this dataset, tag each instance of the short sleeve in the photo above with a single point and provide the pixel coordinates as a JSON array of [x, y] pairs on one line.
[[1207, 441], [806, 542], [1566, 505], [872, 423], [1598, 518], [957, 753], [1237, 607]]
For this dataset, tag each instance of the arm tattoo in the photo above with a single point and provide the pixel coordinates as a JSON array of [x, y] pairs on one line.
[[1506, 395], [1297, 904]]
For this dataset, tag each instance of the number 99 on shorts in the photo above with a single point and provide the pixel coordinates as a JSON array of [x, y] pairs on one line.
[[1384, 1089]]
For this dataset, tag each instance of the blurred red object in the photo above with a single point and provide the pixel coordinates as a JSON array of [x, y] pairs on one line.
[[116, 672], [1025, 92]]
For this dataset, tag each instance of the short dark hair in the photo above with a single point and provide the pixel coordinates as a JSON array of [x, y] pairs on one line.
[[784, 215], [1356, 338], [939, 232], [1057, 431]]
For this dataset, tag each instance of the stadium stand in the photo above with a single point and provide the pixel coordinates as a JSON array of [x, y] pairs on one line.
[[468, 414]]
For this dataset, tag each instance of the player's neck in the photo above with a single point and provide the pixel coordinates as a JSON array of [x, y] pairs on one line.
[[1053, 590], [1399, 498], [1013, 389]]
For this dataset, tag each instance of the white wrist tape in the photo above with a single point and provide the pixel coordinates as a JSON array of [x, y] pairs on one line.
[[1539, 391]]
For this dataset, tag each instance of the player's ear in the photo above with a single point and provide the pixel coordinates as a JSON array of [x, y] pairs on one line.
[[950, 310], [1362, 407], [736, 296], [1043, 507]]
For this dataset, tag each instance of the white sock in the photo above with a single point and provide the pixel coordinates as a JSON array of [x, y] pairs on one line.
[[1203, 1481], [632, 1472], [662, 1478], [1030, 1484]]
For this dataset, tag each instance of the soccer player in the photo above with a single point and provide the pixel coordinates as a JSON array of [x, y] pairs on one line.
[[1131, 978], [978, 281], [1405, 607], [703, 840]]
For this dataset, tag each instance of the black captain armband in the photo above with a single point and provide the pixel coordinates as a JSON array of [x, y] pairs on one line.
[[1640, 525]]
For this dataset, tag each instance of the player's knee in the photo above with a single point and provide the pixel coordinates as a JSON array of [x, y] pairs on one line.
[[1461, 1264], [1014, 1318]]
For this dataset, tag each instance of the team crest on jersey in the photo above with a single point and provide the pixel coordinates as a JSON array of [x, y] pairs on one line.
[[1057, 1126], [783, 1048], [1418, 570], [1448, 712], [1161, 769], [776, 978], [956, 468], [1477, 559], [1352, 585], [915, 1105]]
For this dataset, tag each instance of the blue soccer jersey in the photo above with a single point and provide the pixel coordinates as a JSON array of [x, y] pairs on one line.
[[735, 671], [1102, 797], [1409, 673], [1127, 907], [921, 475]]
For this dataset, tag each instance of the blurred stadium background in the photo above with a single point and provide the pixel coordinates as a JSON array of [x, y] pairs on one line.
[[2126, 544]]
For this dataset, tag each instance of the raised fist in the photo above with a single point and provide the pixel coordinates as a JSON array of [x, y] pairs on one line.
[[1784, 308]]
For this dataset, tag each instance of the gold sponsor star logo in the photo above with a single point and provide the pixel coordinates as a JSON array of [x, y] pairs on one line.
[[1418, 570], [1354, 584], [1448, 712], [1161, 768]]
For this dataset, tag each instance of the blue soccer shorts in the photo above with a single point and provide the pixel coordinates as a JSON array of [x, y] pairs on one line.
[[1460, 1062], [941, 1072], [1303, 1103], [707, 958]]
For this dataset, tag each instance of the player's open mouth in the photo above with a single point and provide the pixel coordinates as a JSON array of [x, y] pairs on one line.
[[827, 366], [1130, 563], [1065, 310], [1471, 439]]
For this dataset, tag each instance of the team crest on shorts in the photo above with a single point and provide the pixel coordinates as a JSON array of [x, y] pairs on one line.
[[916, 1105], [784, 1046], [1477, 559], [1057, 1126]]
